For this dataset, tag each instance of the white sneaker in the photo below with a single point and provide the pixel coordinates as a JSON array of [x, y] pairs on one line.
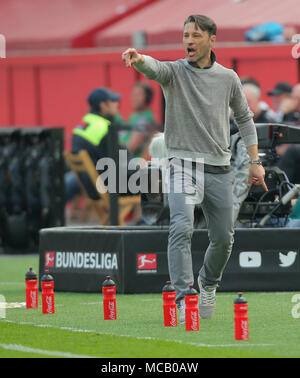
[[207, 300], [181, 310]]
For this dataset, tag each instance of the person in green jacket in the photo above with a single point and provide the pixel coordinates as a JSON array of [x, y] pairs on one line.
[[294, 218], [142, 120]]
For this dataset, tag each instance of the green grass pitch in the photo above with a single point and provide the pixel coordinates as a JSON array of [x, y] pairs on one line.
[[78, 329]]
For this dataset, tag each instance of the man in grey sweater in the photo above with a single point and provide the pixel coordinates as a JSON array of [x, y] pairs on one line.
[[198, 93]]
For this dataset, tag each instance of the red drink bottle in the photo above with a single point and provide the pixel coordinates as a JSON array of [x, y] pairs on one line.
[[32, 298], [191, 310], [48, 306], [170, 310], [109, 299], [241, 319]]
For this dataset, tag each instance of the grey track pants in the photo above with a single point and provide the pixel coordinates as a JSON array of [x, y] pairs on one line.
[[215, 194]]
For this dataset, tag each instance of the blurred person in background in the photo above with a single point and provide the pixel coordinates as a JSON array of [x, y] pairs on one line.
[[289, 109], [284, 102], [142, 121], [296, 96], [294, 217], [272, 32], [92, 134], [253, 96], [263, 105], [286, 35], [289, 155], [289, 162]]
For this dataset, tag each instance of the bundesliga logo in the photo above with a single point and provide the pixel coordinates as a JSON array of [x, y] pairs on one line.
[[147, 262], [49, 259], [81, 260]]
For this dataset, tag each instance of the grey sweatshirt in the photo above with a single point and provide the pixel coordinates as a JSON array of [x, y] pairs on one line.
[[197, 109]]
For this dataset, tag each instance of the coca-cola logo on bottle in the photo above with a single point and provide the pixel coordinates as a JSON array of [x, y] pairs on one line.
[[172, 313], [108, 290], [171, 296], [33, 298], [194, 320], [111, 308], [49, 303], [244, 327]]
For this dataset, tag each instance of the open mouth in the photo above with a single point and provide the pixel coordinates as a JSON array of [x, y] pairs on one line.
[[191, 52]]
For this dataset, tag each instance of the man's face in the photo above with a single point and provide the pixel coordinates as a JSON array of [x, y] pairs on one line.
[[138, 97], [197, 43], [252, 101], [277, 100], [109, 108]]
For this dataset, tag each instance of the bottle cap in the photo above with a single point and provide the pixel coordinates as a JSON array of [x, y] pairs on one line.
[[168, 287], [30, 275], [108, 282], [47, 276], [191, 291], [240, 299]]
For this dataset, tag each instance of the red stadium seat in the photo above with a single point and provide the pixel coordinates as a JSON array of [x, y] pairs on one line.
[[163, 21], [56, 24]]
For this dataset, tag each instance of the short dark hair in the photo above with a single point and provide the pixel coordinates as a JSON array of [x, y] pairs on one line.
[[147, 89], [203, 22], [250, 80]]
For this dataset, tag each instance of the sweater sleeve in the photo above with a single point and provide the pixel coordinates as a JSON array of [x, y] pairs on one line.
[[155, 70], [242, 114]]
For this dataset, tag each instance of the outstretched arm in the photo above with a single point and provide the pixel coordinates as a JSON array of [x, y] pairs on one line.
[[152, 68], [131, 56]]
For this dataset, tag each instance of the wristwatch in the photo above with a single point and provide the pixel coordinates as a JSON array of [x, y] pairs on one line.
[[257, 161]]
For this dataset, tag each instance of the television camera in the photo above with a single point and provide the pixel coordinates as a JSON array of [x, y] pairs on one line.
[[260, 206]]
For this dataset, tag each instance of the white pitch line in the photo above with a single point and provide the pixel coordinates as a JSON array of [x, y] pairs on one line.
[[237, 345], [90, 303], [25, 349]]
